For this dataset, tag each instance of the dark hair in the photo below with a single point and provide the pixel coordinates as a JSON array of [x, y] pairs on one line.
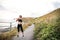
[[20, 16]]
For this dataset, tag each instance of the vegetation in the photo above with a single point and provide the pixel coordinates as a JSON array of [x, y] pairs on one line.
[[48, 28], [10, 34]]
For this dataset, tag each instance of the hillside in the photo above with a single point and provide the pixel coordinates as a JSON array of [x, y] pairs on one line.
[[48, 16], [28, 19], [47, 27], [7, 35]]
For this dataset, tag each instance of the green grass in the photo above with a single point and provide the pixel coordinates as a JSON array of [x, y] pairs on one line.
[[48, 29], [44, 31]]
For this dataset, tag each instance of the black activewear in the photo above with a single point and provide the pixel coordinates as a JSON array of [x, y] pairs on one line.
[[19, 20], [20, 27]]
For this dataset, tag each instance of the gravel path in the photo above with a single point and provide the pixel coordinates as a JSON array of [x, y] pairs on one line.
[[28, 34]]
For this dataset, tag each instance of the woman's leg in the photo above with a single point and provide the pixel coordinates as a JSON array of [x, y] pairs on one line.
[[18, 29], [22, 30]]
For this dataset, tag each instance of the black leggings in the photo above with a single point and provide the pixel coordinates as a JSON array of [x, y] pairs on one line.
[[19, 27]]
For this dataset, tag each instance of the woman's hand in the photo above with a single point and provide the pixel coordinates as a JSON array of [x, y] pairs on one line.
[[15, 19]]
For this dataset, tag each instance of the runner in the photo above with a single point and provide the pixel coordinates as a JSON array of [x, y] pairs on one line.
[[19, 26]]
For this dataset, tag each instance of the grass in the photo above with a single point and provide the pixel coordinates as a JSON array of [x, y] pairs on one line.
[[48, 27], [44, 31], [8, 35]]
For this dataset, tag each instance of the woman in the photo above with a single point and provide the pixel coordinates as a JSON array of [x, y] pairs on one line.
[[19, 20]]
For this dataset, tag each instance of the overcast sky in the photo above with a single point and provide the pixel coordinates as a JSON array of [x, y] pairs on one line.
[[27, 8]]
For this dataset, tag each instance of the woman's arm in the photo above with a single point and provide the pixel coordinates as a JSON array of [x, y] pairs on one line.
[[16, 19]]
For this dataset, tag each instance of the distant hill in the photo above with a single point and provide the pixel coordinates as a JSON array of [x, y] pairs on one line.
[[28, 19], [52, 15]]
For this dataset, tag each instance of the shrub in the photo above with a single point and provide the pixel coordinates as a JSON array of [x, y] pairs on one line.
[[50, 31]]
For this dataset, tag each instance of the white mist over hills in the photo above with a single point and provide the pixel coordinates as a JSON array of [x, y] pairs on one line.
[[10, 9]]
